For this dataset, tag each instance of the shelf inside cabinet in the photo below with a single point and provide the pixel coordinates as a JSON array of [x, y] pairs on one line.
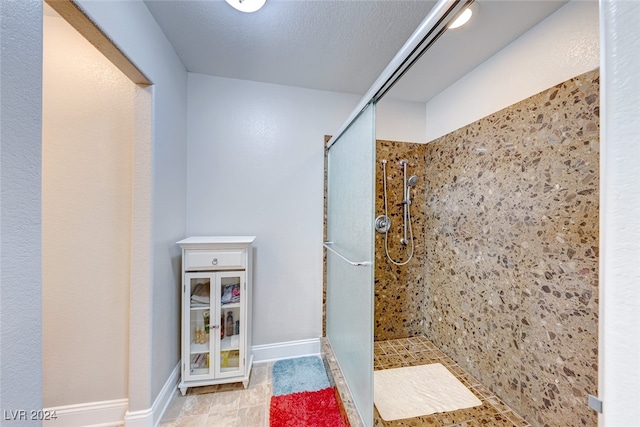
[[231, 305], [199, 348], [230, 343], [200, 307]]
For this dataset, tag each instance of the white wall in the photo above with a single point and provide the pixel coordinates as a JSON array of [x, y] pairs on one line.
[[255, 167], [159, 197], [564, 45], [20, 144], [400, 120], [619, 386], [87, 163]]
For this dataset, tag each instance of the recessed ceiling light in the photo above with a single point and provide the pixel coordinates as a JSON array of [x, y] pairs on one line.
[[247, 5], [465, 16]]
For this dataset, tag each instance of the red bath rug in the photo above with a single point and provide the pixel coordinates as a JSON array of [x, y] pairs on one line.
[[305, 409]]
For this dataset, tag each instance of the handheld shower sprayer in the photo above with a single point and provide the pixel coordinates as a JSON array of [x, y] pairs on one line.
[[411, 182]]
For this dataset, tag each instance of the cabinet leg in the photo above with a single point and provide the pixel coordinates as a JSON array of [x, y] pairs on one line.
[[245, 383], [183, 390]]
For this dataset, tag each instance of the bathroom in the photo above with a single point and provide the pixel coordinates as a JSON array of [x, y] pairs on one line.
[[285, 187]]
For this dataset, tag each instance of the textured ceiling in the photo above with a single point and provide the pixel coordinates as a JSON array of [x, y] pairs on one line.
[[340, 46]]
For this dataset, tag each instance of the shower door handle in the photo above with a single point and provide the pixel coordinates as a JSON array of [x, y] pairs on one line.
[[354, 263]]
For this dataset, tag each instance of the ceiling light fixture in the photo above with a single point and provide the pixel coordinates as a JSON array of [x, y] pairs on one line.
[[465, 16], [247, 6]]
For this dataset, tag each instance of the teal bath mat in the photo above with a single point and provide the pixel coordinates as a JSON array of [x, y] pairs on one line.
[[299, 374]]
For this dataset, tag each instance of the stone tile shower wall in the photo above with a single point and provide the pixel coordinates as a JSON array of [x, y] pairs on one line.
[[399, 290], [511, 263]]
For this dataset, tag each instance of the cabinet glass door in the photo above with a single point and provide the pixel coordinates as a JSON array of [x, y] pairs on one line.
[[197, 325], [231, 305]]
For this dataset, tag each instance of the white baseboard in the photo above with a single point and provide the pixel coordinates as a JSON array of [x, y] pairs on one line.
[[285, 350], [166, 394], [114, 413], [109, 413], [142, 418], [151, 417]]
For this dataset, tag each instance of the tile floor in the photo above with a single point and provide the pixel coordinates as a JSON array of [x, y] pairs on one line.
[[420, 351], [226, 405], [230, 405]]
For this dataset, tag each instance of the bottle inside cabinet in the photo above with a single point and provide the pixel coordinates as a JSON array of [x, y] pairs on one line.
[[229, 325]]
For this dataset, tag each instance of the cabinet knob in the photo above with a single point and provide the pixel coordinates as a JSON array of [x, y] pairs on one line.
[[215, 261]]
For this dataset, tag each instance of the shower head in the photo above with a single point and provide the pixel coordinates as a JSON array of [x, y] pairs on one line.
[[413, 180]]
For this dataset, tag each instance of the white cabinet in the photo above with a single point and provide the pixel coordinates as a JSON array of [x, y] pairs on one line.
[[216, 310]]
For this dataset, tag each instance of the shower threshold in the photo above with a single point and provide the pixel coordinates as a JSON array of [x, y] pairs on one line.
[[414, 351]]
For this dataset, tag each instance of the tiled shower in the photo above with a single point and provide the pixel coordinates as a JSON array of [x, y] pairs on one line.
[[504, 279]]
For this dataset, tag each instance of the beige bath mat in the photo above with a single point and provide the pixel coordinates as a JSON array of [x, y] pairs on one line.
[[419, 390]]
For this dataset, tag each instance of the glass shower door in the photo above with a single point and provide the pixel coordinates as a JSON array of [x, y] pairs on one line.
[[350, 252]]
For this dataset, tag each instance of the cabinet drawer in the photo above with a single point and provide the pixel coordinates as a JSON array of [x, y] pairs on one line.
[[214, 260]]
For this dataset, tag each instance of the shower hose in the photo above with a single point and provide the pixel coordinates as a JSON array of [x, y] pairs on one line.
[[406, 218]]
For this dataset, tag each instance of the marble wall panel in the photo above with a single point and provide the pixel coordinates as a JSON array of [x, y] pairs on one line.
[[399, 289], [511, 261]]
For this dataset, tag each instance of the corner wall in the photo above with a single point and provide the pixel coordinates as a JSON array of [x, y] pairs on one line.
[[20, 206]]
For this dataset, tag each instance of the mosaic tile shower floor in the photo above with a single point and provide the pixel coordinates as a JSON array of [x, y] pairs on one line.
[[420, 351]]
